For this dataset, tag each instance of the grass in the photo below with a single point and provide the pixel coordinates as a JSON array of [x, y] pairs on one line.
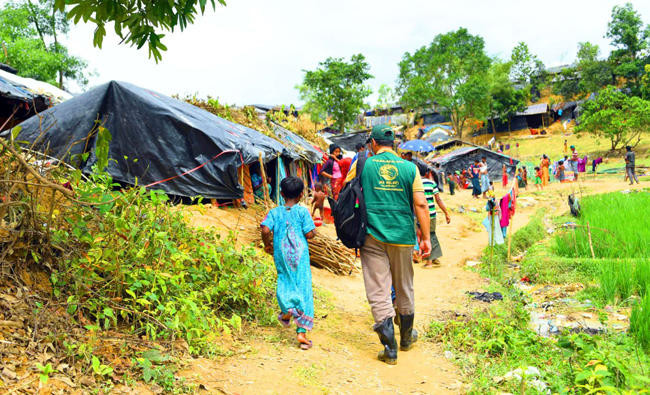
[[619, 228], [640, 321], [523, 239]]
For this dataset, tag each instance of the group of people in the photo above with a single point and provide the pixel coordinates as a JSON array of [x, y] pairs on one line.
[[400, 199]]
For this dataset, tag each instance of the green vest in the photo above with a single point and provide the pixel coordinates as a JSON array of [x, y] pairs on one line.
[[387, 182]]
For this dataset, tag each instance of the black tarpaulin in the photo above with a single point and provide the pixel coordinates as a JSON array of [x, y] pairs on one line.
[[154, 138], [348, 141], [462, 158]]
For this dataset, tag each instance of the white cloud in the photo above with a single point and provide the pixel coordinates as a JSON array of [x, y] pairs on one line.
[[254, 51]]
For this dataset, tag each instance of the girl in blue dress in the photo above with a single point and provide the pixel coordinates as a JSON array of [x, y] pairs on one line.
[[285, 232]]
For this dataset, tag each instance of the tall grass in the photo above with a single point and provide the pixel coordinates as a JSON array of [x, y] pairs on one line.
[[620, 228], [640, 321]]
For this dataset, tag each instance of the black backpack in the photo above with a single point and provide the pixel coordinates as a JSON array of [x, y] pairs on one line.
[[349, 211]]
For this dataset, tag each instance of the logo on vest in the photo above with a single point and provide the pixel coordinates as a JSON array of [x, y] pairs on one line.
[[388, 172]]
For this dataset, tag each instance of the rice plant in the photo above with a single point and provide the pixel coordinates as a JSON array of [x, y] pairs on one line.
[[640, 321], [616, 280], [619, 224]]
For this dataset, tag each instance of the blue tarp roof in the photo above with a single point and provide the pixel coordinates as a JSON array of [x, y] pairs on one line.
[[14, 91], [436, 126]]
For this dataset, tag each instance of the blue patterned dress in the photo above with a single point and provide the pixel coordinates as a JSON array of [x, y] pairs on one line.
[[291, 254]]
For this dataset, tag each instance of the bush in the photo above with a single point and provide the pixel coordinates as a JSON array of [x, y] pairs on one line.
[[127, 258]]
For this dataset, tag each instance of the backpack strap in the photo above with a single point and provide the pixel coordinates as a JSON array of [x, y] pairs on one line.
[[361, 162]]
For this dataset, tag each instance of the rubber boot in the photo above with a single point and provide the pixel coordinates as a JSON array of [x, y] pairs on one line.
[[386, 333], [408, 335]]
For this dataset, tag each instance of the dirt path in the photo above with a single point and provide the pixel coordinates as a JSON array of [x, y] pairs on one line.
[[343, 359]]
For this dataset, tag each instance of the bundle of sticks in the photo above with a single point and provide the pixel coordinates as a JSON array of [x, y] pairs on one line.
[[327, 253]]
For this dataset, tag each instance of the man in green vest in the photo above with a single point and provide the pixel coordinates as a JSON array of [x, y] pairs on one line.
[[393, 192]]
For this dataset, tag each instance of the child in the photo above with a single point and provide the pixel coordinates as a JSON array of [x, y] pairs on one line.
[[318, 200], [285, 232], [490, 192], [504, 176], [538, 178], [560, 171], [452, 183]]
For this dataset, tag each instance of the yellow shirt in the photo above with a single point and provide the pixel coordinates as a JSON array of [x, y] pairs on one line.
[[417, 181]]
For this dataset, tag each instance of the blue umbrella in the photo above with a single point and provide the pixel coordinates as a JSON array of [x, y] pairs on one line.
[[417, 146]]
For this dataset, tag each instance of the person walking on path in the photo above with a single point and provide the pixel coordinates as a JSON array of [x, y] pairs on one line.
[[630, 165], [485, 178], [285, 232], [433, 197], [331, 172], [474, 173], [574, 162], [544, 165], [393, 192]]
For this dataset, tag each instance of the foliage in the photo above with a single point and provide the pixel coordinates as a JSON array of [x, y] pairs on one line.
[[136, 22], [337, 88], [594, 73], [589, 74], [632, 41], [449, 74], [492, 341], [504, 99], [30, 34], [524, 64], [567, 84], [615, 116], [386, 97], [127, 259], [618, 231]]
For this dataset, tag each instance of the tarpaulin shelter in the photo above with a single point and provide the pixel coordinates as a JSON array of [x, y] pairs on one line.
[[436, 136], [532, 117], [180, 148], [20, 98], [348, 141], [462, 158]]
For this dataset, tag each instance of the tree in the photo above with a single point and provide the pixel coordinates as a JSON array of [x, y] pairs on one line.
[[613, 115], [386, 97], [567, 83], [29, 33], [450, 72], [338, 88], [631, 41], [594, 73], [524, 64], [504, 99], [137, 22]]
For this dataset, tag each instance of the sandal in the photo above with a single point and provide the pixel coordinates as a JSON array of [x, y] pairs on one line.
[[285, 323], [306, 346]]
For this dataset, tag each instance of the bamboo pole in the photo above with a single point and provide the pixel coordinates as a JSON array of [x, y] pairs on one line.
[[264, 183]]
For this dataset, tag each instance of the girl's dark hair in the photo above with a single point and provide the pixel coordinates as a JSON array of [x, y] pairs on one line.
[[560, 162], [291, 187], [333, 148]]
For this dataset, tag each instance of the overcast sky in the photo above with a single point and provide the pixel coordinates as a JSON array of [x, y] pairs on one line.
[[254, 51]]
